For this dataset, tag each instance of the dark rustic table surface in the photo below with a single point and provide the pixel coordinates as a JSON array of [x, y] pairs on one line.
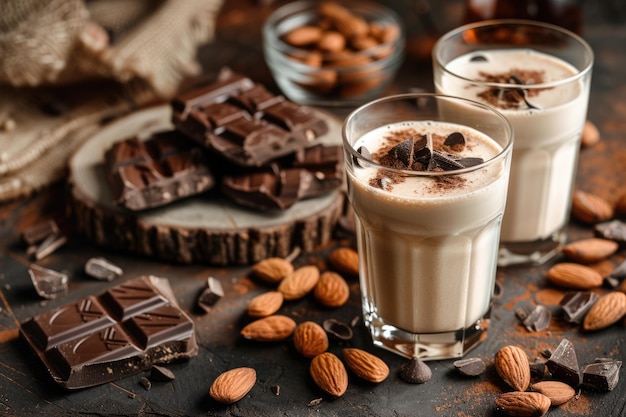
[[25, 387]]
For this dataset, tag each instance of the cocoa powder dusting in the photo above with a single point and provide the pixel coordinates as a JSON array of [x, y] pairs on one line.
[[514, 97], [386, 179]]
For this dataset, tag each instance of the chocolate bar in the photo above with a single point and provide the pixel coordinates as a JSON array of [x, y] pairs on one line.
[[315, 171], [244, 122], [121, 332], [152, 173]]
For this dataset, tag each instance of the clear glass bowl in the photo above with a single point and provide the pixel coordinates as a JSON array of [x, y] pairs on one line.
[[346, 78]]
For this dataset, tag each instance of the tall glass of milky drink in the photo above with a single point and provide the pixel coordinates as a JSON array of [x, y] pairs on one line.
[[538, 76], [428, 186]]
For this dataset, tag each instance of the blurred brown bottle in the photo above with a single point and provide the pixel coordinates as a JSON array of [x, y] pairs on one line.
[[564, 13]]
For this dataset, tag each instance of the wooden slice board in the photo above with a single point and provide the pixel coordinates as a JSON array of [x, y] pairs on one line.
[[200, 229]]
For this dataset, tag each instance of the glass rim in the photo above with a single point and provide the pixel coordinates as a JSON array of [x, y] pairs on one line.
[[580, 73], [356, 156]]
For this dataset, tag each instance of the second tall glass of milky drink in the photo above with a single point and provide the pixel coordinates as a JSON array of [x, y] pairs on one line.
[[428, 186], [538, 76]]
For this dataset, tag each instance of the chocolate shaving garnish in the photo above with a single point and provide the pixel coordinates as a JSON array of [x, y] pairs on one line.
[[415, 371], [455, 140], [478, 58], [517, 80], [563, 364], [419, 155], [602, 376], [365, 153], [470, 366], [511, 97], [441, 161]]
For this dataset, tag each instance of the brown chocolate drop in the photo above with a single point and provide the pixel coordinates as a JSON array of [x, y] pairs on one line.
[[415, 371]]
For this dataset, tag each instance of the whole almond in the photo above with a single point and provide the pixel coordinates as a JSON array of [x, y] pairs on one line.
[[329, 374], [272, 270], [574, 276], [303, 36], [310, 339], [300, 282], [265, 304], [366, 365], [609, 309], [331, 41], [345, 260], [591, 134], [590, 250], [331, 290], [523, 404], [269, 329], [512, 365], [558, 392], [590, 208], [231, 386]]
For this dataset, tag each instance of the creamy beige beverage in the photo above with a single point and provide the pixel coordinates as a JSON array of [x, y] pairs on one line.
[[428, 241], [547, 123]]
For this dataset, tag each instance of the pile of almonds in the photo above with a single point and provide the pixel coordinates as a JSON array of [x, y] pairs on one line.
[[577, 272], [338, 46], [310, 339]]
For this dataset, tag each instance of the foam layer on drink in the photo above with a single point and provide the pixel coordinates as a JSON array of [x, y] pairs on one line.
[[547, 133], [428, 243]]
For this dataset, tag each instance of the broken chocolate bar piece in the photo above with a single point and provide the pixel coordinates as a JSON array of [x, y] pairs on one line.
[[211, 294], [49, 245], [576, 304], [102, 269], [103, 338], [314, 172], [612, 230], [155, 172], [602, 376], [244, 122], [39, 232], [563, 364], [539, 319], [48, 283]]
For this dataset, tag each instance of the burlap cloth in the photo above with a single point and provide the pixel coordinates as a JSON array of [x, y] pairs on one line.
[[68, 66]]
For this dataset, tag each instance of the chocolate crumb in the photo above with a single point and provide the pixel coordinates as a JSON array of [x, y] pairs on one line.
[[275, 389], [146, 383], [161, 374], [314, 402]]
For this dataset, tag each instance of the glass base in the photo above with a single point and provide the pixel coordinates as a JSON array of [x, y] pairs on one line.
[[533, 253], [428, 346]]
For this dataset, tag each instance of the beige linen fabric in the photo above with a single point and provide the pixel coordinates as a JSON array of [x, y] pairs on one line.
[[69, 65]]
